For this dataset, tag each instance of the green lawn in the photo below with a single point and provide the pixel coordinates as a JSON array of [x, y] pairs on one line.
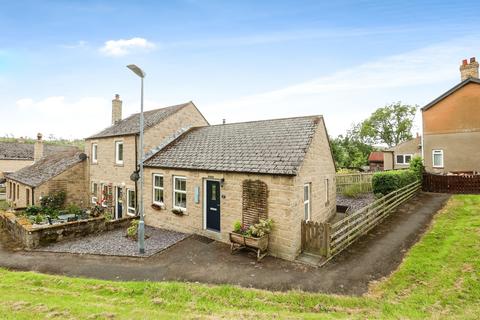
[[3, 205], [440, 278]]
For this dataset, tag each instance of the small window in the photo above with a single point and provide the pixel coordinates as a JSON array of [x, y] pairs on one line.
[[437, 158], [27, 196], [180, 193], [118, 152], [157, 188], [94, 153], [94, 192], [131, 205], [403, 158], [306, 202]]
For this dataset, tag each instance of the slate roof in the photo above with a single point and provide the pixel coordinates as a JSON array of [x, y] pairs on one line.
[[47, 168], [449, 92], [131, 125], [270, 146], [24, 151]]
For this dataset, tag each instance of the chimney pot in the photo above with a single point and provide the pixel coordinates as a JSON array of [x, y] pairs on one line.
[[39, 136], [464, 62], [472, 59], [469, 70], [224, 121]]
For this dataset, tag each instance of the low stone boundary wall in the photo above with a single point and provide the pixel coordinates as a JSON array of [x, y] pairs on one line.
[[32, 237]]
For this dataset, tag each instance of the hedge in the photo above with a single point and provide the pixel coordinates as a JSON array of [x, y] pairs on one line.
[[388, 181]]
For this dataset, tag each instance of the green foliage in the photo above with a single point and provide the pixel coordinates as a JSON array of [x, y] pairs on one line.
[[108, 215], [33, 210], [3, 205], [237, 227], [54, 201], [349, 151], [38, 219], [389, 125], [132, 231], [387, 181], [416, 165], [74, 209], [353, 190]]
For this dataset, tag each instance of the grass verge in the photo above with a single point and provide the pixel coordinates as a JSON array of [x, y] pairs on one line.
[[439, 278]]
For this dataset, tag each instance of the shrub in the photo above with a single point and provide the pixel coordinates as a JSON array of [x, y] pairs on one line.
[[33, 210], [263, 227], [133, 229], [54, 201], [416, 165], [353, 191], [74, 209], [385, 182]]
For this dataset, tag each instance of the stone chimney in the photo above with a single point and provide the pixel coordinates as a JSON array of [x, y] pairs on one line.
[[116, 109], [469, 70], [38, 148]]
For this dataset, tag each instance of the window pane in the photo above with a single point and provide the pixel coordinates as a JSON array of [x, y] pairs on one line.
[[407, 159], [399, 158], [180, 200], [214, 192], [159, 181], [180, 184], [437, 159], [158, 195], [120, 151], [131, 198], [306, 195]]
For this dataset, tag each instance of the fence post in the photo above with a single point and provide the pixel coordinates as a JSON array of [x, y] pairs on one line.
[[327, 231]]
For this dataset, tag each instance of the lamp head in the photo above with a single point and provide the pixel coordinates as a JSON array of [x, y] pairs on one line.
[[139, 72]]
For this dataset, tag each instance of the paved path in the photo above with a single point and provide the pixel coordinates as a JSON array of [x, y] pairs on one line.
[[374, 256]]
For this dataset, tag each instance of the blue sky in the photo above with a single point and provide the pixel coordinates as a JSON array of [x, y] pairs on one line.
[[61, 62]]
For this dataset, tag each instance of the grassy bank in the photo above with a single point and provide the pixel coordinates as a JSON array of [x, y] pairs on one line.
[[438, 279]]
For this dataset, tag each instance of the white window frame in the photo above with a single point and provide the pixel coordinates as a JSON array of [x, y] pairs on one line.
[[94, 193], [154, 187], [117, 153], [174, 189], [308, 201], [131, 211], [403, 157], [438, 151], [94, 153]]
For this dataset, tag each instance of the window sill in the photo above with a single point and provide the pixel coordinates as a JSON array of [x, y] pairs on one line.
[[118, 164], [93, 163]]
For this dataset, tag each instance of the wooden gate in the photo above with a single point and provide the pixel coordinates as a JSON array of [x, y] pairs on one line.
[[314, 237]]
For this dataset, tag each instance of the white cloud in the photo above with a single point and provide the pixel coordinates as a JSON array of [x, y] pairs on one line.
[[123, 47], [350, 95]]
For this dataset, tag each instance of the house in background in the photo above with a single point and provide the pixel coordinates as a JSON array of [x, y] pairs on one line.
[[61, 171], [17, 155], [114, 152], [451, 126], [210, 177], [399, 157], [375, 161]]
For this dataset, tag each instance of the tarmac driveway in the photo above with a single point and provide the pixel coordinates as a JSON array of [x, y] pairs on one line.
[[372, 257]]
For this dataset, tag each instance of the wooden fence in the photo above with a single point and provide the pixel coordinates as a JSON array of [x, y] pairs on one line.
[[330, 239], [363, 180], [466, 184]]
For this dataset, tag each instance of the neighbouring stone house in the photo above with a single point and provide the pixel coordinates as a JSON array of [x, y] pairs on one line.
[[61, 171], [451, 126], [375, 161], [113, 153], [17, 155], [399, 157], [210, 177]]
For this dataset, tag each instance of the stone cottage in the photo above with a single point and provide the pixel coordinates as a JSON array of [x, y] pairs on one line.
[[210, 177], [61, 171], [17, 155], [113, 153]]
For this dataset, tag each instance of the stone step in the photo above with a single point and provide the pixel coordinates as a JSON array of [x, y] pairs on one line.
[[310, 259]]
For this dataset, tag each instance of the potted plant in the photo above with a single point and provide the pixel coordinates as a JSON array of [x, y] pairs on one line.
[[254, 237]]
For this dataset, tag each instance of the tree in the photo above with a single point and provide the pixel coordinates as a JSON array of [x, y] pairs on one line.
[[389, 125], [349, 151]]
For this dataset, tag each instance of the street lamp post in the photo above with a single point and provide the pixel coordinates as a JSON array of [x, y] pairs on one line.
[[141, 225]]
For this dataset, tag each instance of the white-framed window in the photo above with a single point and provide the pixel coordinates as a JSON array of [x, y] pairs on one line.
[[403, 158], [306, 201], [94, 192], [119, 152], [158, 188], [437, 158], [104, 196], [131, 203], [327, 191], [180, 192], [94, 153]]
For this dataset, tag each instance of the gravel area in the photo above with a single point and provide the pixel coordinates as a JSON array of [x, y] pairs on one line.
[[356, 204], [114, 243]]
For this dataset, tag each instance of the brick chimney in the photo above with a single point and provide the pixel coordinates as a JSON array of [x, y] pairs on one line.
[[38, 148], [469, 70], [116, 109]]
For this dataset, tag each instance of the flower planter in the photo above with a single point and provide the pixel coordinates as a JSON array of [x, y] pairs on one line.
[[258, 245]]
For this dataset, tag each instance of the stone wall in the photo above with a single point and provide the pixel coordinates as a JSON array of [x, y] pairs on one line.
[[32, 237], [13, 165]]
